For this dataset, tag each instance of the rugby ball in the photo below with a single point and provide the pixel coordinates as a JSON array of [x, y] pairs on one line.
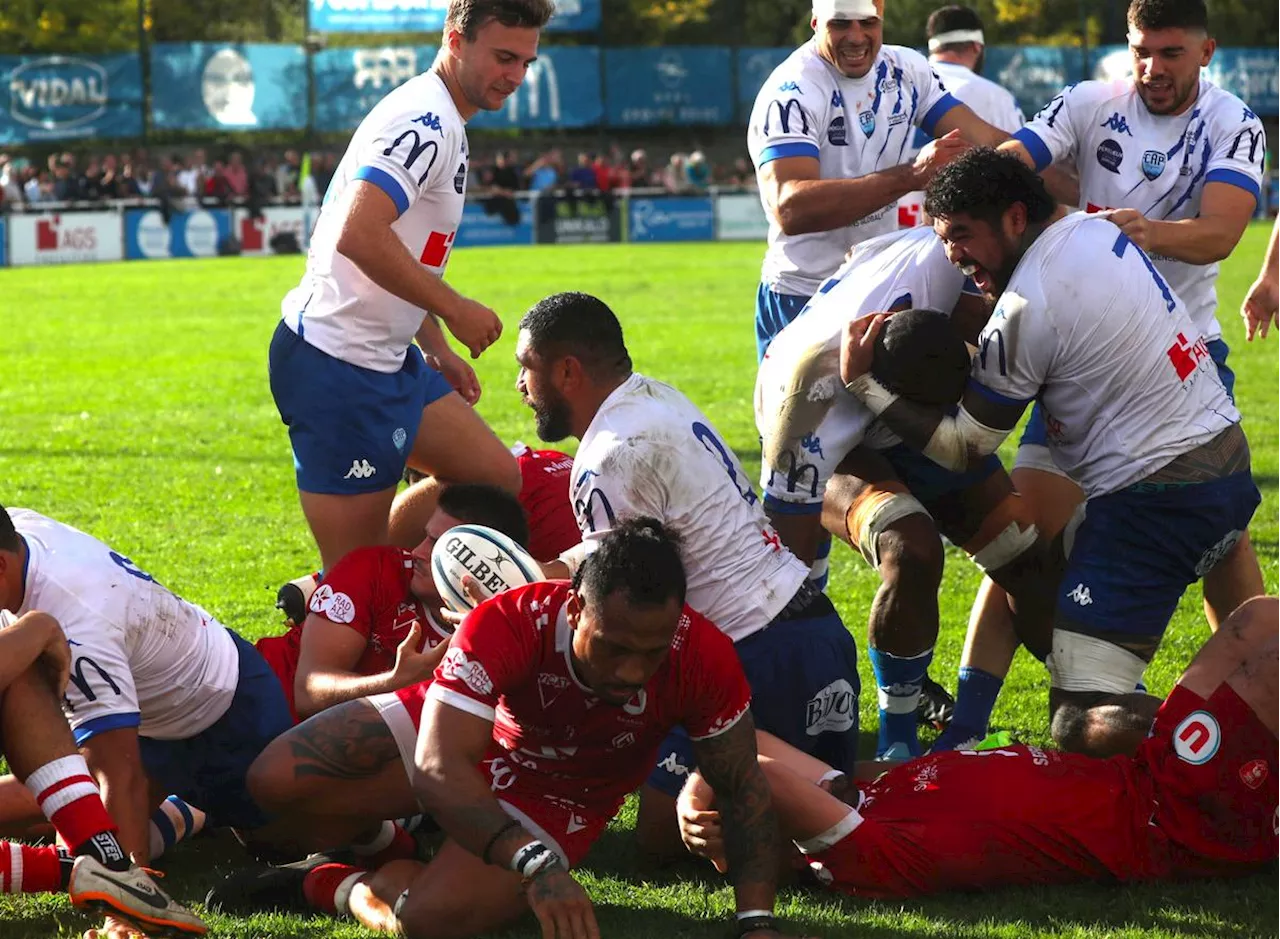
[[494, 561]]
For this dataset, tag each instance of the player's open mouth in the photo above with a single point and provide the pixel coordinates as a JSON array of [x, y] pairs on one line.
[[855, 55]]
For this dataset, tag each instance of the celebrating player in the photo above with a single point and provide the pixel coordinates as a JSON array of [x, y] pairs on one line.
[[162, 698], [1262, 301], [1176, 163], [646, 450], [881, 496], [547, 710], [1139, 417], [1197, 800], [374, 624], [828, 135], [358, 396], [35, 665]]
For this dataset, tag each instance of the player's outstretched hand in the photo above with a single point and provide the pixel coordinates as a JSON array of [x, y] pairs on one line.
[[474, 594], [562, 906], [459, 374], [857, 348], [413, 664], [1259, 308], [701, 831], [473, 324], [937, 154]]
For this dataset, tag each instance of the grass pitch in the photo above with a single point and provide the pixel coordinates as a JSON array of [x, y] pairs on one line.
[[135, 406]]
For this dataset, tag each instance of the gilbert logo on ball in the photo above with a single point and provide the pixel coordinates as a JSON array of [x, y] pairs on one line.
[[493, 561]]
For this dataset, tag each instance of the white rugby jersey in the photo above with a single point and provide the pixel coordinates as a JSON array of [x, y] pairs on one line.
[[649, 451], [1090, 327], [140, 655], [1129, 158], [898, 271], [412, 146], [991, 102], [854, 127]]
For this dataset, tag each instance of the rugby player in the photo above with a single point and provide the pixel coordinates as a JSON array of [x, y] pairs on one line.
[[826, 464], [162, 697], [359, 397], [645, 449], [548, 709], [1260, 304], [35, 666], [1141, 422], [1198, 799]]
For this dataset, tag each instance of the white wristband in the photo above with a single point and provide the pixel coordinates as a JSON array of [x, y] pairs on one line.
[[751, 914], [874, 395]]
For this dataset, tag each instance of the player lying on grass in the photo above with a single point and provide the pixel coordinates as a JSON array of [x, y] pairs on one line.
[[35, 667], [1137, 415], [827, 463], [374, 622], [162, 697], [547, 711], [1197, 800]]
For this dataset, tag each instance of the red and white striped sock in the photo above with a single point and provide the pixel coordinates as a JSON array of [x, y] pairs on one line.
[[70, 799], [24, 869], [328, 887]]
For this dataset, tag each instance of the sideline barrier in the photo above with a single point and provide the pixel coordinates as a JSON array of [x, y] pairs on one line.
[[137, 229]]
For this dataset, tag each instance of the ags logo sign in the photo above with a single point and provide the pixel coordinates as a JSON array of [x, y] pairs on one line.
[[65, 238], [57, 92]]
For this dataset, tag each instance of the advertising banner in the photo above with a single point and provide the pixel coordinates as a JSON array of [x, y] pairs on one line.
[[1248, 73], [671, 85], [754, 66], [1033, 74], [679, 218], [219, 86], [61, 97], [64, 238], [256, 234], [561, 89], [350, 81], [577, 220], [481, 228], [740, 217], [187, 234], [427, 16]]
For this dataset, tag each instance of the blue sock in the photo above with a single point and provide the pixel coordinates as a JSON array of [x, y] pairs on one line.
[[976, 693], [173, 822], [898, 682], [820, 569]]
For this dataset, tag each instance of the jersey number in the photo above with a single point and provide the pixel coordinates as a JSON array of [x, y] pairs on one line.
[[1122, 245], [709, 440], [130, 568]]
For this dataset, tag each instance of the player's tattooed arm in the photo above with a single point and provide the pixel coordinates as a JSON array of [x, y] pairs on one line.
[[728, 763]]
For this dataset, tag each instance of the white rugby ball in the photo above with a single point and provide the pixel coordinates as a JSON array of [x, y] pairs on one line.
[[494, 561]]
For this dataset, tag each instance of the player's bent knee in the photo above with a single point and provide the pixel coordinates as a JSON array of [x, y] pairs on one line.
[[1254, 619], [270, 779], [910, 549], [424, 913], [1088, 665], [898, 515]]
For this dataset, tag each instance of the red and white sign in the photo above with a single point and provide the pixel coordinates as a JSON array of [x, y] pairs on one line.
[[66, 238], [255, 234]]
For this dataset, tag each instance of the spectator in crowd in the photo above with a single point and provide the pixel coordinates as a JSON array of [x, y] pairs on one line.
[[191, 177], [640, 172], [236, 174], [90, 182], [10, 182], [110, 179], [503, 182], [544, 172], [583, 176], [216, 185], [697, 172], [66, 186], [39, 187], [742, 174], [287, 174], [673, 178], [604, 173]]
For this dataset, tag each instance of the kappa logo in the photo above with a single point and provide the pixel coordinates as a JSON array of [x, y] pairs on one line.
[[361, 469], [576, 823], [671, 763], [429, 121], [550, 687], [1254, 774], [1197, 738], [1080, 595], [790, 86], [333, 605], [1117, 123]]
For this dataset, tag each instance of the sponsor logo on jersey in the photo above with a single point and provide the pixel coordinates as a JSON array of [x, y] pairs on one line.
[[333, 605], [838, 132], [437, 248], [1116, 122], [785, 114], [790, 86], [1186, 356], [637, 703], [576, 823], [501, 776], [550, 687], [834, 709], [897, 118], [867, 121], [460, 179], [1080, 595], [1110, 156], [888, 86], [721, 724], [1254, 774], [361, 469], [1197, 738], [1153, 162], [624, 739], [457, 667]]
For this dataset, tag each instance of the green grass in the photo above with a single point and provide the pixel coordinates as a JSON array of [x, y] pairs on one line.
[[135, 405]]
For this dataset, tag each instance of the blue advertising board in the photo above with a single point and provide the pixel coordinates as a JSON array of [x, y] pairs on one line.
[[1248, 73], [427, 16], [221, 86], [186, 235], [561, 89], [60, 97], [480, 228], [679, 218], [670, 85], [1034, 74], [755, 63], [350, 81]]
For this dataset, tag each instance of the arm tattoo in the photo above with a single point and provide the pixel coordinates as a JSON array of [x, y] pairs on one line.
[[751, 840], [347, 741]]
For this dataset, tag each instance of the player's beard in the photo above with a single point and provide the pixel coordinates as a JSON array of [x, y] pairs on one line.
[[553, 419], [1181, 93]]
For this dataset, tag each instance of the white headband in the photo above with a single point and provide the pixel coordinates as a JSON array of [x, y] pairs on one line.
[[955, 36]]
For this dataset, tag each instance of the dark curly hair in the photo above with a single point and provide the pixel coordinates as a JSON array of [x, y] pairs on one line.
[[984, 183], [1169, 14], [640, 558]]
